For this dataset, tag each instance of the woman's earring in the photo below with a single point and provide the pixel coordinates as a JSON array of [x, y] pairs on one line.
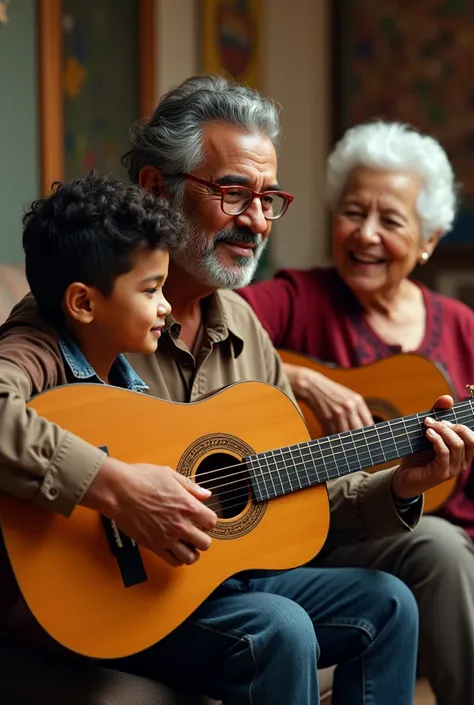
[[424, 257]]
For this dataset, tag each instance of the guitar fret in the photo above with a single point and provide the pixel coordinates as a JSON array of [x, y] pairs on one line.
[[305, 467], [395, 446], [257, 475], [388, 440], [295, 480], [375, 454], [288, 466], [283, 471], [315, 456], [350, 451], [307, 482], [384, 458], [362, 449], [277, 477], [418, 438], [407, 436], [301, 467], [314, 469]]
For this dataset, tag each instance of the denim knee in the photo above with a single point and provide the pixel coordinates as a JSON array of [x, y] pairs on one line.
[[393, 600], [288, 631]]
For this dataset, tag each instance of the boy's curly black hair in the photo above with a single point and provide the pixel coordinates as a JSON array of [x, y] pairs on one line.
[[88, 230]]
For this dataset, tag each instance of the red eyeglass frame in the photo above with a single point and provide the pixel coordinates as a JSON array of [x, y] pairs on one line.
[[255, 194]]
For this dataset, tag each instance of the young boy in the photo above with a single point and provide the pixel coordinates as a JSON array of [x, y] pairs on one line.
[[96, 259]]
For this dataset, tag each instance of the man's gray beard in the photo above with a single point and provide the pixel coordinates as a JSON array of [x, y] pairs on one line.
[[197, 256]]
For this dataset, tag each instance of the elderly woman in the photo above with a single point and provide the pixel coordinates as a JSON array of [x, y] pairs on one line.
[[392, 194]]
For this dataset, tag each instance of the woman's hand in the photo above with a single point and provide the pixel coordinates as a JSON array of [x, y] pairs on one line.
[[337, 408], [453, 451]]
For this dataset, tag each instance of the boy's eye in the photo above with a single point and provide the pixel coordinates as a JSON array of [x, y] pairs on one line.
[[152, 291]]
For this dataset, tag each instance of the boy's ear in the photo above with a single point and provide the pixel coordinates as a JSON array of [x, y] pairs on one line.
[[152, 179], [79, 302]]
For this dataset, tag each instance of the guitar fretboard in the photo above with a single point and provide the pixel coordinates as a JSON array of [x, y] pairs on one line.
[[279, 472]]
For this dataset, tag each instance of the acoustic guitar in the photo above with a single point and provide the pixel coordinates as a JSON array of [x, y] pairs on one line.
[[398, 385], [97, 593]]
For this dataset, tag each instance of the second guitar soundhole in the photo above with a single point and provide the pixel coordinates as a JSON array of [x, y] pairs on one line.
[[215, 461]]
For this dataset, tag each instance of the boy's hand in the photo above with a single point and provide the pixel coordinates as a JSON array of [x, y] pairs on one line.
[[156, 506]]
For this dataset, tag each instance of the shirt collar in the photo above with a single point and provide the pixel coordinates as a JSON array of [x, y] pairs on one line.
[[220, 323], [121, 370]]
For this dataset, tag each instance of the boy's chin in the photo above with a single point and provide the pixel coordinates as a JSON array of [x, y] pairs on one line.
[[148, 347]]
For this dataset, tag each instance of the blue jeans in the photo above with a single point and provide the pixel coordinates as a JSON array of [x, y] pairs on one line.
[[259, 642]]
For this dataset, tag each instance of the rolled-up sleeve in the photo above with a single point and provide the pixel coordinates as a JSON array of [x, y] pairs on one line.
[[363, 508], [39, 460]]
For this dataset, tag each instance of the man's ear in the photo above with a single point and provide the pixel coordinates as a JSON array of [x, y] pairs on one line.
[[79, 301], [152, 179]]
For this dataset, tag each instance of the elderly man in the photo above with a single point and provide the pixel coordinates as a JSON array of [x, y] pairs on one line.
[[210, 149]]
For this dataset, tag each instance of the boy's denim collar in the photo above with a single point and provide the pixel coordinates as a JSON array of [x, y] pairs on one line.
[[81, 370]]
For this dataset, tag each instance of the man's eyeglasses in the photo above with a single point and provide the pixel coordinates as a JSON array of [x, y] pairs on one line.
[[236, 199]]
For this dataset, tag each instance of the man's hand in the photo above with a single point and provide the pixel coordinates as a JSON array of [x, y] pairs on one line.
[[453, 451], [156, 506], [337, 408]]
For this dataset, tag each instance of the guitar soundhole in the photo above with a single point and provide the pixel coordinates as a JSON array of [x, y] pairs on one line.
[[229, 485], [220, 455]]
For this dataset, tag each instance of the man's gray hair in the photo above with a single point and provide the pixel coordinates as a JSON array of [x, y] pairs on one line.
[[172, 139]]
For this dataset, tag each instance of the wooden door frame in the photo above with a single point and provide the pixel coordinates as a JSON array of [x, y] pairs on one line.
[[49, 15]]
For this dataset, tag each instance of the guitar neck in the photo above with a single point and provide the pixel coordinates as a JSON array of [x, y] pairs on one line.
[[284, 470]]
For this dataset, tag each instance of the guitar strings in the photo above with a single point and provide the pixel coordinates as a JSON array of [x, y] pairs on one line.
[[346, 435], [274, 473]]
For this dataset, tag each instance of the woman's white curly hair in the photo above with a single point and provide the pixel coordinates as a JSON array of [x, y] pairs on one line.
[[393, 146]]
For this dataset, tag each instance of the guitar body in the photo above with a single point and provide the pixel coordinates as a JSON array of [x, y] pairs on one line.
[[396, 386], [64, 566]]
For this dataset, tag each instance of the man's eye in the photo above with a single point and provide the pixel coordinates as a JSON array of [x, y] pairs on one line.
[[353, 214], [236, 194]]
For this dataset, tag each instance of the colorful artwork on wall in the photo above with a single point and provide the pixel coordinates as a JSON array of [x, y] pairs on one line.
[[412, 61], [231, 39], [100, 83]]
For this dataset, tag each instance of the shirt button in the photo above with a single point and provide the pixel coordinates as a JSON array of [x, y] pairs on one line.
[[52, 493]]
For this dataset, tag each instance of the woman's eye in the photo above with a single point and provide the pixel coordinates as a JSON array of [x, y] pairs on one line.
[[353, 214]]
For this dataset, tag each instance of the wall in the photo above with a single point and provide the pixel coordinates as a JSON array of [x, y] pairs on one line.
[[177, 22], [295, 74], [19, 161]]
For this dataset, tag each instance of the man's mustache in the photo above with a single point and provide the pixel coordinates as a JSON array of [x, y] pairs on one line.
[[242, 235]]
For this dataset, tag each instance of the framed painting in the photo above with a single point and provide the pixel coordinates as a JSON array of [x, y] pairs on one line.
[[231, 39], [97, 64]]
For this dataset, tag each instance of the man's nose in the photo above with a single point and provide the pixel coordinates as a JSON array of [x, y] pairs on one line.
[[253, 217]]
